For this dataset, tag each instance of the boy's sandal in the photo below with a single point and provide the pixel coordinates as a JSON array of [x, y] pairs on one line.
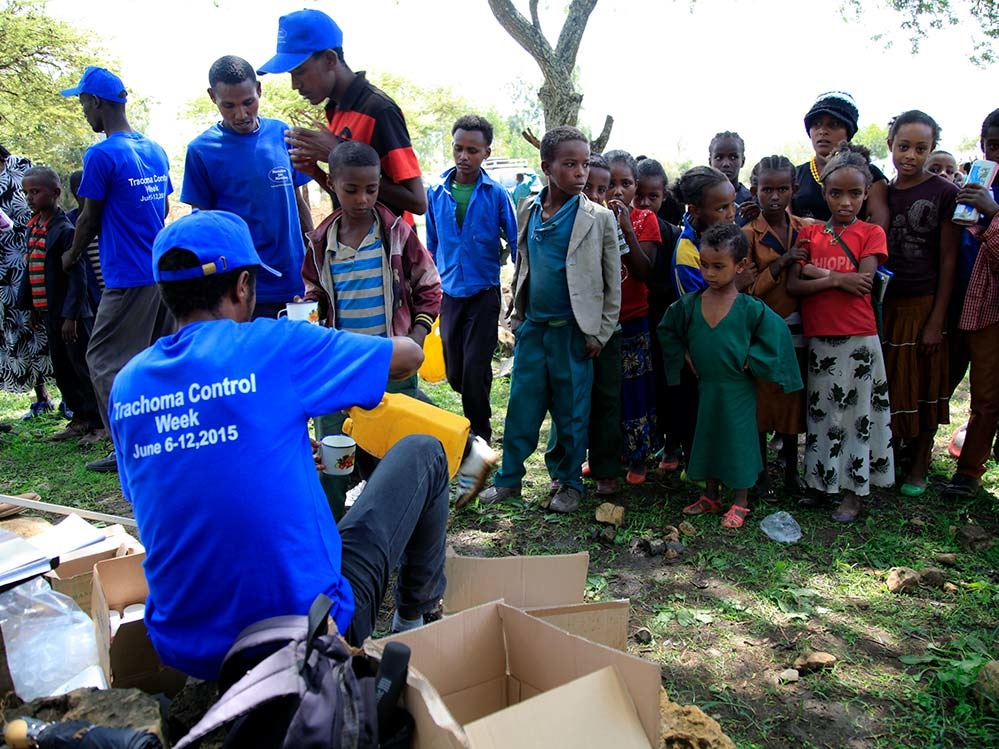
[[703, 504], [735, 517], [669, 464], [961, 485]]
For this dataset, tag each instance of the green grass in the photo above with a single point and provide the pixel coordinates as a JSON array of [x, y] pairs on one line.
[[736, 608]]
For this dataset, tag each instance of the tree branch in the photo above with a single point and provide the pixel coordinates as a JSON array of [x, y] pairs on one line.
[[598, 144], [572, 32], [523, 32], [535, 21]]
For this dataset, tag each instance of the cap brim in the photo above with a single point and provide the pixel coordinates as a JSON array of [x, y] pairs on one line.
[[75, 91], [284, 62]]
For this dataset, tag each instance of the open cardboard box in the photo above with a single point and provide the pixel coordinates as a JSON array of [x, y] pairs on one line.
[[472, 677], [74, 575], [128, 659], [548, 587]]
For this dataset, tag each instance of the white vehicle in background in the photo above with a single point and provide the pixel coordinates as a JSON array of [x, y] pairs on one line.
[[505, 172]]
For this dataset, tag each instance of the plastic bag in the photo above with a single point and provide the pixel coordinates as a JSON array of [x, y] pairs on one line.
[[50, 642], [780, 526]]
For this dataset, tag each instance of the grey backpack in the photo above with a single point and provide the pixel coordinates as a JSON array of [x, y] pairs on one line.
[[308, 692]]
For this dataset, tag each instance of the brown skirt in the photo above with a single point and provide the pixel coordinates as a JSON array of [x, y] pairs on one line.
[[777, 411], [917, 382]]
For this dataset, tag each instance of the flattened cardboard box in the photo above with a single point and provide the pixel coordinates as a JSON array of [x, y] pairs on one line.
[[469, 670], [129, 659], [74, 575], [549, 587]]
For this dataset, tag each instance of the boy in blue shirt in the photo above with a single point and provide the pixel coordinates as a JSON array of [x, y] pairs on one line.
[[126, 180], [469, 216], [211, 431], [242, 165], [566, 301]]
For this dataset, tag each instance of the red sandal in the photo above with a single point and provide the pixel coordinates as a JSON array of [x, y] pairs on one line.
[[703, 504], [735, 517]]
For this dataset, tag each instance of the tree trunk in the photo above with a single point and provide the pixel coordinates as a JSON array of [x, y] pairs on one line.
[[558, 96]]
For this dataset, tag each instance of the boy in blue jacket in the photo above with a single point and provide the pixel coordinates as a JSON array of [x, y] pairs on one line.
[[469, 217]]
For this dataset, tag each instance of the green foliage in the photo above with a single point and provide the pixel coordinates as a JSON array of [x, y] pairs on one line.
[[875, 138], [921, 17], [39, 56]]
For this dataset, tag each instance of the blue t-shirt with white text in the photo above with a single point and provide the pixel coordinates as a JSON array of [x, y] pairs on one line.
[[251, 175], [131, 175], [210, 429]]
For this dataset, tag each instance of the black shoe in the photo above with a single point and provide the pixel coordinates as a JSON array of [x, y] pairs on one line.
[[962, 486], [107, 464], [814, 499]]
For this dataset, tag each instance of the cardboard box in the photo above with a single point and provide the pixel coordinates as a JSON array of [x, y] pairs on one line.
[[74, 575], [128, 660], [549, 587], [472, 677]]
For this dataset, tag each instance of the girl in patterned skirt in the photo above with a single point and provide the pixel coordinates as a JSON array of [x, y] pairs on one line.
[[848, 443]]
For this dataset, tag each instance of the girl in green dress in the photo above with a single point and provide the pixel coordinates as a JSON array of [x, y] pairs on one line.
[[730, 340]]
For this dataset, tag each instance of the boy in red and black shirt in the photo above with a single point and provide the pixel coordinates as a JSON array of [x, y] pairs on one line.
[[310, 48], [58, 301]]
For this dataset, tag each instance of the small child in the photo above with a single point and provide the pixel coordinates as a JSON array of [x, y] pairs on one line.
[[848, 445], [469, 219], [58, 302], [943, 164], [563, 314], [710, 199], [95, 278], [730, 340], [371, 274], [727, 154], [772, 238], [922, 253], [638, 396], [653, 189]]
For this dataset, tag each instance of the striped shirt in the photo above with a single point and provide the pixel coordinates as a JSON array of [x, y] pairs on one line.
[[358, 282], [36, 262]]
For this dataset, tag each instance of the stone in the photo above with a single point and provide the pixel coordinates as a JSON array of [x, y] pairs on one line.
[[610, 513], [951, 588], [948, 560], [687, 529], [669, 553], [858, 602], [114, 708], [931, 577], [687, 727], [814, 660], [987, 686], [608, 534], [788, 675], [643, 636], [974, 538], [671, 534], [26, 527], [917, 522], [505, 368], [902, 580], [639, 546], [657, 547]]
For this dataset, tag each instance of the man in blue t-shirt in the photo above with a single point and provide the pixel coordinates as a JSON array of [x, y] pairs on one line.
[[242, 165], [126, 180], [211, 431]]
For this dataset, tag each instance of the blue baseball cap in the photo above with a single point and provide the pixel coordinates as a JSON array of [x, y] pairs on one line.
[[220, 239], [300, 35], [101, 83]]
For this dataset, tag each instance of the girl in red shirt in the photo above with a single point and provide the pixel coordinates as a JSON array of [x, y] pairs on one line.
[[848, 443]]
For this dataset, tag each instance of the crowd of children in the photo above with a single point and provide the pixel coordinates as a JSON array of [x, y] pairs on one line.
[[663, 327], [822, 300]]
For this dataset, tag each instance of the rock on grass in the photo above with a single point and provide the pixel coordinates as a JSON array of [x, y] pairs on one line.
[[902, 580], [687, 727], [814, 660]]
